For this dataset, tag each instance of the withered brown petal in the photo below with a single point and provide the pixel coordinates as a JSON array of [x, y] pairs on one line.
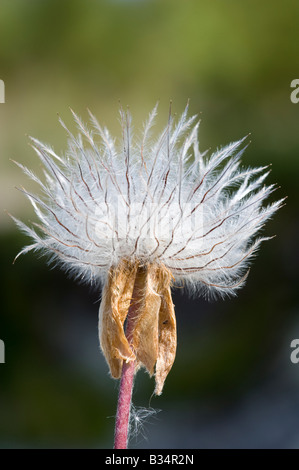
[[152, 338], [115, 303], [145, 334], [167, 339]]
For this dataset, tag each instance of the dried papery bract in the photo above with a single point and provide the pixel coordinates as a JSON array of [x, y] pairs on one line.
[[116, 299], [152, 341], [167, 339]]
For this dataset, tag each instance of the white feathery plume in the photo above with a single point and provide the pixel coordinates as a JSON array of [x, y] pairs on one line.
[[159, 201]]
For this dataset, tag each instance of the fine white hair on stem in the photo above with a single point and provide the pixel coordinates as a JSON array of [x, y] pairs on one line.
[[159, 201], [140, 416]]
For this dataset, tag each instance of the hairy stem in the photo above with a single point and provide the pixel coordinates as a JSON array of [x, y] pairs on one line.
[[127, 375]]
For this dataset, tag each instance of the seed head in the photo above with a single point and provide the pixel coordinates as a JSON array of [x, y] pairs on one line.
[[154, 209]]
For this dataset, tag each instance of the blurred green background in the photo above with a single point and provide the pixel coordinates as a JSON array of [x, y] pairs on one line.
[[233, 384]]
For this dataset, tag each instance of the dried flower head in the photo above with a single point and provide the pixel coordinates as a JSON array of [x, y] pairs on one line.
[[139, 215]]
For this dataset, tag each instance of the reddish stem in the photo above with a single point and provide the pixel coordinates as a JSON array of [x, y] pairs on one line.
[[124, 406], [127, 379]]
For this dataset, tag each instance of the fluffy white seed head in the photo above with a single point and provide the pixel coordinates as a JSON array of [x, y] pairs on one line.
[[159, 201]]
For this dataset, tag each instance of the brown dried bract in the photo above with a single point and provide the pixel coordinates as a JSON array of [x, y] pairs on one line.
[[151, 341], [116, 299]]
